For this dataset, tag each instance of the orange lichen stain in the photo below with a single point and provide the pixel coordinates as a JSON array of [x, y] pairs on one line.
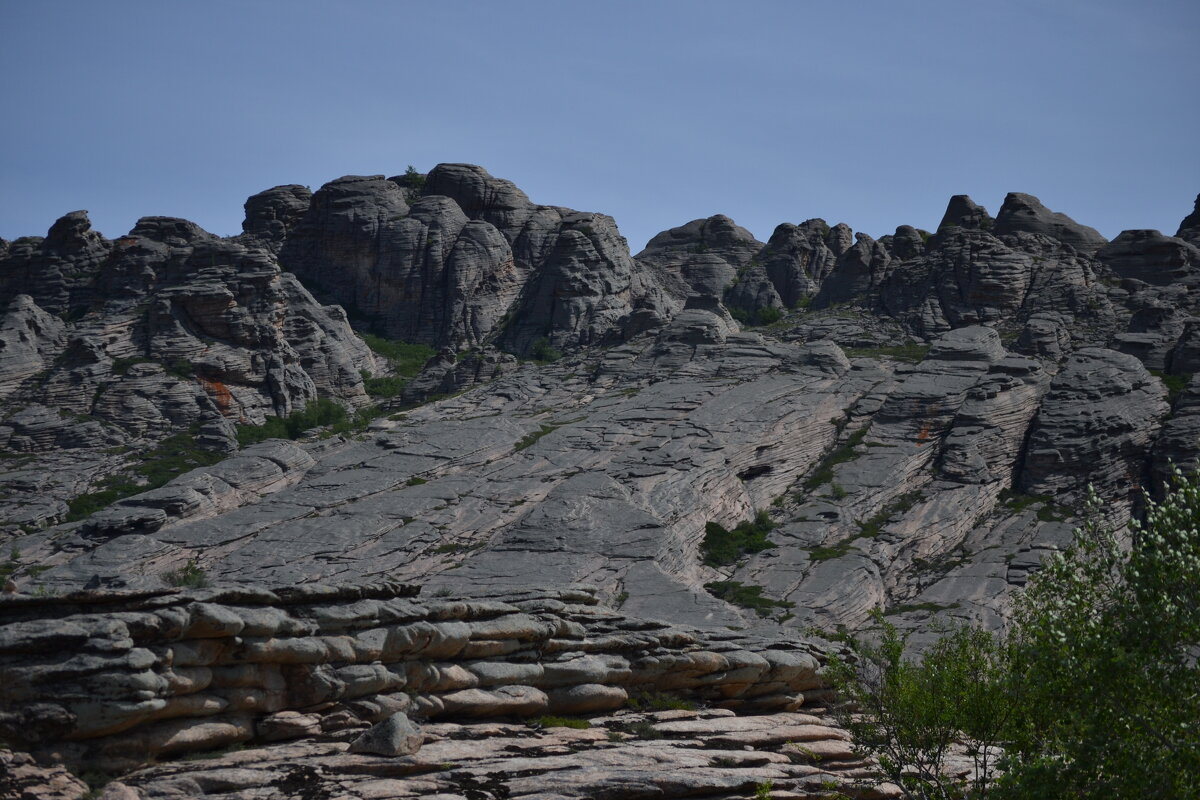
[[924, 432], [219, 393], [126, 241]]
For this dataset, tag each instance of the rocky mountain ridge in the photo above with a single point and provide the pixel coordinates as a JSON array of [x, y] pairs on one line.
[[759, 441]]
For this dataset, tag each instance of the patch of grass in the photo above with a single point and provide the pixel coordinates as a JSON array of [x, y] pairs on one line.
[[543, 352], [871, 527], [823, 474], [643, 729], [405, 358], [752, 319], [415, 481], [180, 368], [830, 552], [723, 547], [621, 598], [10, 566], [562, 722], [746, 596], [169, 459], [909, 607], [912, 353], [120, 366], [452, 547], [1175, 383], [385, 387], [659, 701], [172, 457], [529, 439], [190, 575], [318, 413], [836, 491], [1048, 512]]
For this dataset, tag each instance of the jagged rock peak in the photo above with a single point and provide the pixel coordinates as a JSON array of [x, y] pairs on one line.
[[717, 232], [1190, 227], [69, 228], [474, 188], [1025, 213], [963, 212], [173, 231], [270, 214]]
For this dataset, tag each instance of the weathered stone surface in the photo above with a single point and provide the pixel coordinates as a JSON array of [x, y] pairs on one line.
[[395, 736], [1024, 213], [1150, 257], [1094, 427], [162, 673]]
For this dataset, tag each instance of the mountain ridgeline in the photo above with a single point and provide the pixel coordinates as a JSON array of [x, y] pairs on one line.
[[914, 419]]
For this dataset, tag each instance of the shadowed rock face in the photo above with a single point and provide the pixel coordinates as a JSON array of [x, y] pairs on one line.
[[473, 260], [1024, 213]]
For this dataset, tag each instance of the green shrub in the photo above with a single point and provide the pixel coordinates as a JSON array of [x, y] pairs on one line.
[[763, 316], [1094, 692], [722, 547], [189, 575], [1175, 383], [659, 701], [769, 315], [406, 360], [317, 413], [385, 387], [166, 461], [823, 473], [529, 439], [541, 350], [746, 596], [562, 722]]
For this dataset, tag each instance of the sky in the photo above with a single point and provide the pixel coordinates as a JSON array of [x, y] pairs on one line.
[[656, 112]]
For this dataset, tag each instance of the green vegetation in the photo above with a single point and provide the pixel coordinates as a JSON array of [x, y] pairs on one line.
[[660, 701], [7, 568], [541, 351], [1175, 383], [1049, 511], [912, 353], [762, 790], [190, 575], [528, 439], [1094, 692], [643, 729], [413, 183], [179, 367], [171, 458], [830, 552], [906, 608], [746, 596], [120, 366], [318, 413], [870, 528], [722, 547], [415, 480], [763, 316], [561, 722], [405, 360], [823, 474]]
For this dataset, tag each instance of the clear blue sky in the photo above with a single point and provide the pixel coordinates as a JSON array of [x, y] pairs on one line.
[[656, 112]]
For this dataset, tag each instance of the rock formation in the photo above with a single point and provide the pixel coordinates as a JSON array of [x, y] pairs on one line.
[[911, 422]]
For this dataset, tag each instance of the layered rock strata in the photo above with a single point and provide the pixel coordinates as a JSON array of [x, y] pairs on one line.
[[156, 674]]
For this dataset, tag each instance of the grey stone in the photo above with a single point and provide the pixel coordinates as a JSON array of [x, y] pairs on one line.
[[395, 736]]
